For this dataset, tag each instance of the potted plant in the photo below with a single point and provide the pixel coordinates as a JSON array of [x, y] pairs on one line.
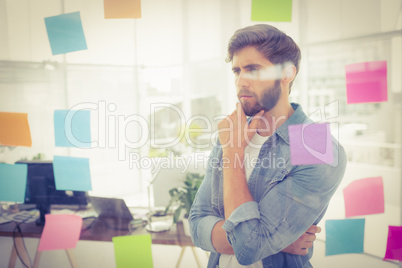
[[182, 198]]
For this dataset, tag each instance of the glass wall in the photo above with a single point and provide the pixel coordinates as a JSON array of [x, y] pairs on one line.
[[370, 132]]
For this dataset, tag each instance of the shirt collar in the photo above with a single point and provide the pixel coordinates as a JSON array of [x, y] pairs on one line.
[[298, 117]]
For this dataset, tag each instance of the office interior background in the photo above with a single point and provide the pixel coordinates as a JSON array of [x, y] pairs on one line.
[[168, 68]]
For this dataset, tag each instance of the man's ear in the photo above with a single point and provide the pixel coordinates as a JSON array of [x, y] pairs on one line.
[[289, 73]]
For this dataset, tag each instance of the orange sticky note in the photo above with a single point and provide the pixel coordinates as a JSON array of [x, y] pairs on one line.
[[60, 232], [122, 9], [14, 129]]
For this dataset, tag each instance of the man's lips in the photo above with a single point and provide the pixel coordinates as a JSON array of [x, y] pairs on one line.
[[245, 96]]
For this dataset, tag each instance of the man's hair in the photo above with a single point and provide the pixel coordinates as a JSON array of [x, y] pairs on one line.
[[274, 44]]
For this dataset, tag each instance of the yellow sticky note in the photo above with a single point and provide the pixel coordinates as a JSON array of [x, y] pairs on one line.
[[133, 251], [271, 10], [14, 129], [122, 9]]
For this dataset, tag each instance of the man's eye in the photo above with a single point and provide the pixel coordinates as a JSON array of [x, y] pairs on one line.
[[253, 71]]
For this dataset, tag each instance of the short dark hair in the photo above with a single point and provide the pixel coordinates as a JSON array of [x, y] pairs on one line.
[[274, 44]]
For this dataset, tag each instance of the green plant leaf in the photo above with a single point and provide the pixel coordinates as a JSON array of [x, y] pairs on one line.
[[183, 197], [176, 215]]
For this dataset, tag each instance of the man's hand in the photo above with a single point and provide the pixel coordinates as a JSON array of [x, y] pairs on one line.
[[234, 131], [301, 245]]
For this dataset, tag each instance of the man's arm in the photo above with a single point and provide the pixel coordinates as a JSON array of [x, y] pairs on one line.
[[256, 230], [235, 188], [220, 241], [299, 247], [234, 135]]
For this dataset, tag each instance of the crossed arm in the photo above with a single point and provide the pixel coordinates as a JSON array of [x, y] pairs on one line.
[[299, 247], [235, 188], [254, 230]]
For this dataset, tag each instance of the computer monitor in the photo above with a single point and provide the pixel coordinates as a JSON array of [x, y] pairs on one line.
[[41, 189]]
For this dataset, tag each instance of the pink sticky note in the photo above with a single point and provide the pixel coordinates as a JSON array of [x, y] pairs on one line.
[[366, 82], [364, 197], [60, 232], [394, 243], [310, 144]]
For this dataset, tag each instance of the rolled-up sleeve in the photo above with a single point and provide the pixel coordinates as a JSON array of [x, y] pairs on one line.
[[244, 212], [203, 235]]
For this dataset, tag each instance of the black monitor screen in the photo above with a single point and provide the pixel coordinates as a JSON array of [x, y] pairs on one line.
[[41, 189]]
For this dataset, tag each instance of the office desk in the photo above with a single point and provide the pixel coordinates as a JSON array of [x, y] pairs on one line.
[[99, 231]]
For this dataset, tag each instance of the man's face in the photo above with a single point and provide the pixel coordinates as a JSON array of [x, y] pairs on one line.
[[257, 81]]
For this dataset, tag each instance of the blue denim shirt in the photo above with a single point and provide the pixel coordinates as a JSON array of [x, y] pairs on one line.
[[288, 199]]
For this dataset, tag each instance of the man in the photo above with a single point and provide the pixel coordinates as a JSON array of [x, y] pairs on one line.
[[253, 203]]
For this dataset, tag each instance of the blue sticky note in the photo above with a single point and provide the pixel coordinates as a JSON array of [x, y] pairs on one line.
[[65, 33], [344, 236], [71, 173], [72, 128], [13, 181]]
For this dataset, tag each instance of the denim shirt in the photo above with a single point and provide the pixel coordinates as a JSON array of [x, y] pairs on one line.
[[288, 199]]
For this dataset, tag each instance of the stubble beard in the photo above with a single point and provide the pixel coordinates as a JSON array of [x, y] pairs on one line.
[[268, 100]]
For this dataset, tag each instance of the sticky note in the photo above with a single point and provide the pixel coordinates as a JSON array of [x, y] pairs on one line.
[[72, 128], [133, 251], [366, 82], [271, 10], [364, 197], [310, 144], [122, 9], [65, 33], [60, 232], [71, 173], [13, 181], [14, 129], [344, 236], [394, 243]]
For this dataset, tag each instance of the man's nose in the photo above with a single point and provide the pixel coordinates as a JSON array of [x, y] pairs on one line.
[[242, 81]]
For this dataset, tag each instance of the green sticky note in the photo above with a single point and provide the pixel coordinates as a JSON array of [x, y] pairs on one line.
[[271, 10], [133, 251]]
